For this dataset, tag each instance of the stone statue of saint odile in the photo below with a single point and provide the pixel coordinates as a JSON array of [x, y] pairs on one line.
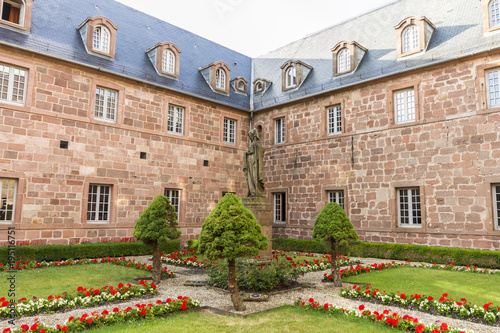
[[253, 165]]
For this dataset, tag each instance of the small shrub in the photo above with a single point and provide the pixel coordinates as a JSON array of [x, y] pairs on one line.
[[193, 244]]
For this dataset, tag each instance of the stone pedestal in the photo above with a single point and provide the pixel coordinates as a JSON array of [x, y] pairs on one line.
[[262, 209]]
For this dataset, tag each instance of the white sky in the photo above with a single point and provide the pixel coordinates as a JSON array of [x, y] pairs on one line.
[[254, 27]]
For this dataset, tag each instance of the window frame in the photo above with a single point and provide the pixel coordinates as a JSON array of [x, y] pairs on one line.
[[14, 210], [487, 86], [338, 193], [177, 205], [412, 223], [226, 135], [496, 206], [282, 195], [103, 44], [291, 77], [335, 122], [107, 91], [24, 15], [90, 24], [407, 102], [10, 84], [279, 130], [391, 107], [410, 39], [344, 57], [168, 62], [220, 79], [97, 212], [183, 117]]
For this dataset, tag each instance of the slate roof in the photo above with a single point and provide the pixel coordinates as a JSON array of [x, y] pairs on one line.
[[459, 33]]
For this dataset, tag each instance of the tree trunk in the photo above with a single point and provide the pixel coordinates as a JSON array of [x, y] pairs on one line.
[[156, 264], [337, 281], [233, 287]]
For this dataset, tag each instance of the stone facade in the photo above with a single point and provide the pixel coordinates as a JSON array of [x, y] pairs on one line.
[[450, 153]]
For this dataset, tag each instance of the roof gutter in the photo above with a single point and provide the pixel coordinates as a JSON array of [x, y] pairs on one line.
[[120, 75]]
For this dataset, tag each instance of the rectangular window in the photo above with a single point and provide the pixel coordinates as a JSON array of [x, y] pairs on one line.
[[404, 102], [8, 189], [173, 196], [336, 196], [409, 210], [279, 130], [493, 88], [496, 205], [334, 119], [98, 203], [229, 135], [13, 84], [279, 207], [105, 104], [175, 119]]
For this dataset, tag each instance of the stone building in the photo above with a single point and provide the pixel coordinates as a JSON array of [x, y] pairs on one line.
[[394, 114]]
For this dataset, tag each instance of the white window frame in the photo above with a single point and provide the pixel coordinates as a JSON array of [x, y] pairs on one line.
[[101, 39], [109, 99], [20, 5], [344, 60], [100, 201], [494, 13], [413, 210], [404, 105], [493, 87], [336, 196], [174, 196], [279, 207], [334, 119], [10, 87], [496, 205], [11, 196], [229, 131], [410, 39], [175, 122], [220, 79], [291, 77], [168, 62], [279, 130]]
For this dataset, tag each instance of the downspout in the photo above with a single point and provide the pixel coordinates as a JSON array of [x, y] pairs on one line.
[[251, 96]]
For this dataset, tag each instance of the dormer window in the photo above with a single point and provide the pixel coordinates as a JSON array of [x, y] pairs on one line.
[[344, 60], [217, 76], [413, 35], [491, 15], [410, 39], [294, 74], [16, 13], [239, 85], [101, 39], [166, 59], [99, 36], [260, 86], [346, 57]]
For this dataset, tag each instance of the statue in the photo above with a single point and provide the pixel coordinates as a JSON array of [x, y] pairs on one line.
[[253, 165]]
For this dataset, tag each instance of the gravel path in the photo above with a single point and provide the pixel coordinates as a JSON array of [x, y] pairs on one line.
[[220, 299]]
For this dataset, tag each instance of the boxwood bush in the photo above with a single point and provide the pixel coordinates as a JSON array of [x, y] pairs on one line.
[[88, 250], [430, 254]]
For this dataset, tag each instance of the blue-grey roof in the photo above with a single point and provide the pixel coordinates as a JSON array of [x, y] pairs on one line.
[[459, 32], [54, 32]]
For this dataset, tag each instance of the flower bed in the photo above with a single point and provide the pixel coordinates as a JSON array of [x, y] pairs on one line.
[[114, 316], [113, 260], [486, 314], [83, 297], [403, 323], [452, 267], [359, 269]]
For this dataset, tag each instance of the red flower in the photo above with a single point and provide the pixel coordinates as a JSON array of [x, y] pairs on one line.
[[42, 331], [89, 321], [153, 285], [5, 303], [435, 331], [116, 310], [120, 285], [79, 289], [430, 298], [183, 306], [64, 329], [7, 330], [402, 296], [143, 312], [96, 292], [311, 300], [443, 327], [87, 293], [159, 302], [420, 328], [361, 307], [487, 305], [325, 306]]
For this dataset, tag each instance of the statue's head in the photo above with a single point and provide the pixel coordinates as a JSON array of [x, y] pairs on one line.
[[253, 135]]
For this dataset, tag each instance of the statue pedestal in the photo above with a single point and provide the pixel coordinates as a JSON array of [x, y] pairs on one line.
[[262, 209]]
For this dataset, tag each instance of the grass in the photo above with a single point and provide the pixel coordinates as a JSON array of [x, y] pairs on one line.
[[286, 319], [476, 288], [56, 280]]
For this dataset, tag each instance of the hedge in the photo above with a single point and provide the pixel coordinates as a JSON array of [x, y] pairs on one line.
[[193, 244], [89, 250], [430, 254]]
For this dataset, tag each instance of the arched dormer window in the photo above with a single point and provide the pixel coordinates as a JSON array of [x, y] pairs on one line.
[[99, 35], [220, 79], [101, 39], [494, 13], [16, 13], [291, 77], [344, 60], [168, 62], [411, 39]]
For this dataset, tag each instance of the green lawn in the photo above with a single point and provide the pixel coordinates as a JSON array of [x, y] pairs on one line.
[[56, 280], [476, 288], [287, 319]]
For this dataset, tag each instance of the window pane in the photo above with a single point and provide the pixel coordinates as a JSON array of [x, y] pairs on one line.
[[494, 13], [334, 119], [229, 131], [98, 203], [404, 101], [493, 88], [175, 119], [7, 199], [173, 196]]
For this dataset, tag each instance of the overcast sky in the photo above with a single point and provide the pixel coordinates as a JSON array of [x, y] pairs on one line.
[[254, 27]]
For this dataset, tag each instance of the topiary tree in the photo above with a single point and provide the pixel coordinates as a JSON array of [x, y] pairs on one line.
[[157, 222], [229, 232], [333, 228]]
